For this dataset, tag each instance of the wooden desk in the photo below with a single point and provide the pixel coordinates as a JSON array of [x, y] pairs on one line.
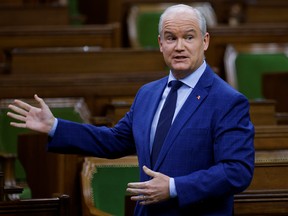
[[27, 15], [36, 207], [264, 203], [268, 192], [271, 137], [97, 89], [106, 35], [262, 112], [80, 60]]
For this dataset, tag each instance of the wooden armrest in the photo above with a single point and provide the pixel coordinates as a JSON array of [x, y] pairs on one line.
[[8, 168], [13, 190]]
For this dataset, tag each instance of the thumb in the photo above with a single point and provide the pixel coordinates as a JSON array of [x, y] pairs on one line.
[[149, 172], [40, 101]]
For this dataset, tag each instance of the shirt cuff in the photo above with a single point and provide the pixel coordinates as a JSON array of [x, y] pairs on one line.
[[172, 188], [53, 129]]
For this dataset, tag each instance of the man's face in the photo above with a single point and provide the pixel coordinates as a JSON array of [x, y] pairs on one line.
[[182, 43]]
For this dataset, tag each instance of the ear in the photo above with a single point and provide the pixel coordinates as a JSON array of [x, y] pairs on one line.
[[206, 41], [160, 43]]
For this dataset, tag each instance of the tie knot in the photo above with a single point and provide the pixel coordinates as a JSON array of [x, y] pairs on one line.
[[175, 84]]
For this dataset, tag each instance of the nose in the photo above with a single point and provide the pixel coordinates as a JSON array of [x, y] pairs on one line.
[[179, 44]]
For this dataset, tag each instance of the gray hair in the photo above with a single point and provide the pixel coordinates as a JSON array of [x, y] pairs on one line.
[[183, 7]]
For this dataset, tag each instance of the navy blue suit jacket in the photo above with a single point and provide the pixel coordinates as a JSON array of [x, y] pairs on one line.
[[209, 149]]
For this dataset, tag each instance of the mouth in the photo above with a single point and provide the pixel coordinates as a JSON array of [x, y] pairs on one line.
[[180, 57]]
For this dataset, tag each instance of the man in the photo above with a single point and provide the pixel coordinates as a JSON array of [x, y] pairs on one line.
[[207, 155]]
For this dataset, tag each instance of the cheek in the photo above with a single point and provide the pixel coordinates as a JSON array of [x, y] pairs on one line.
[[164, 52]]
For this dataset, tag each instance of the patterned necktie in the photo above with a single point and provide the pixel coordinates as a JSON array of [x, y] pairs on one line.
[[165, 120]]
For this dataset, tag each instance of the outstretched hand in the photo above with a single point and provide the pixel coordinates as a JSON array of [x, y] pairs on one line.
[[152, 191], [38, 119]]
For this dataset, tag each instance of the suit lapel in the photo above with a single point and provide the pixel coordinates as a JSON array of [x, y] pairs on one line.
[[194, 100]]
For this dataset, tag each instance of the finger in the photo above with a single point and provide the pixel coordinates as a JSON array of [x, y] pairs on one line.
[[18, 125], [23, 105], [136, 185], [143, 199], [17, 110], [16, 116], [135, 191], [137, 198], [149, 172], [146, 202]]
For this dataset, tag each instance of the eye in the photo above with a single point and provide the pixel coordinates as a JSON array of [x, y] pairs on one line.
[[189, 37], [170, 38]]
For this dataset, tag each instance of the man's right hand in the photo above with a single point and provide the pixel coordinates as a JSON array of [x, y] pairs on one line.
[[34, 118]]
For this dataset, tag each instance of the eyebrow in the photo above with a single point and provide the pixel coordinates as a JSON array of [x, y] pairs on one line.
[[188, 31]]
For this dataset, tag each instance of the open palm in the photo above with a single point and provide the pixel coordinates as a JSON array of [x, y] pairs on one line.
[[39, 119]]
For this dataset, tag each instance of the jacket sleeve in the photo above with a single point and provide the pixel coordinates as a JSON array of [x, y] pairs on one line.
[[89, 140]]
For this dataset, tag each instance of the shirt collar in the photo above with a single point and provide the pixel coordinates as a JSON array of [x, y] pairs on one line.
[[193, 78]]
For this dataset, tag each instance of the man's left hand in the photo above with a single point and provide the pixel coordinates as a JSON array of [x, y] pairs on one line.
[[152, 191]]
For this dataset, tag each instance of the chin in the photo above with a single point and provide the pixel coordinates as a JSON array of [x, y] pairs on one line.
[[181, 73]]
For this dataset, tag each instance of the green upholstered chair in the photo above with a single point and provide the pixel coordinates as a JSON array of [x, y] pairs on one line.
[[73, 109], [104, 184], [143, 19], [245, 65]]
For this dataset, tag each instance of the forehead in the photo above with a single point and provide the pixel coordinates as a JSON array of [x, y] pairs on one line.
[[180, 20]]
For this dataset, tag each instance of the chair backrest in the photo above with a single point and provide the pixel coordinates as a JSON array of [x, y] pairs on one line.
[[36, 207], [143, 22], [245, 65], [104, 183], [275, 87]]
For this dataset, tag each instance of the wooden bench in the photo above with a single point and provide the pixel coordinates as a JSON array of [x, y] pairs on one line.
[[262, 112], [25, 15], [84, 60], [97, 89], [36, 207], [58, 206], [105, 35], [252, 203], [268, 192]]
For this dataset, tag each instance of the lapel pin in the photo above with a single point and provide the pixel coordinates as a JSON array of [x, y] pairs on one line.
[[198, 97]]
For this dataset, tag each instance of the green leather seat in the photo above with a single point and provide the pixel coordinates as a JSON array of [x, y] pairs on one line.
[[109, 187], [245, 66], [104, 184], [250, 68]]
